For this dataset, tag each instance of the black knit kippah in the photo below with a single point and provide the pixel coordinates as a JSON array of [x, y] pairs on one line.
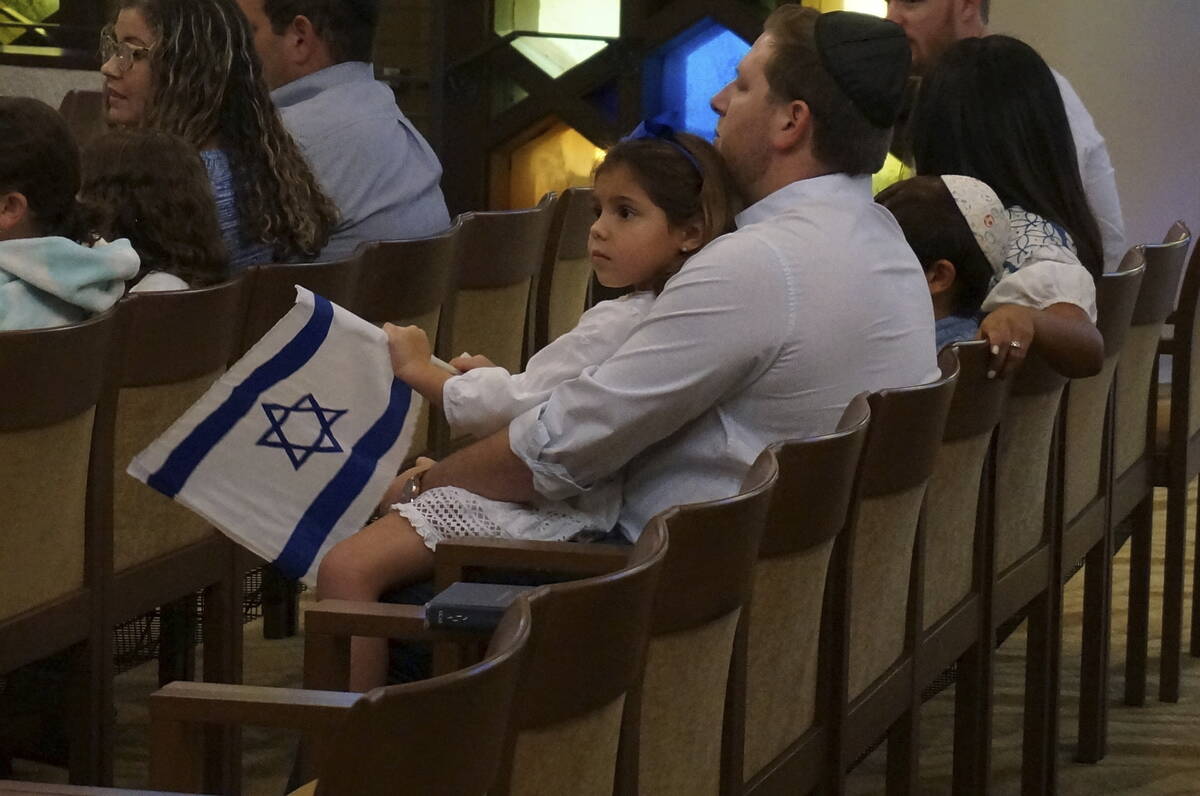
[[868, 58]]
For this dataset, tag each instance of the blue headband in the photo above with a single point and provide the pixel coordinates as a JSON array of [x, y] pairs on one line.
[[665, 133]]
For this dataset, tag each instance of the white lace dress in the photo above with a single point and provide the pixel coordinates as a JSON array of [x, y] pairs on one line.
[[483, 401]]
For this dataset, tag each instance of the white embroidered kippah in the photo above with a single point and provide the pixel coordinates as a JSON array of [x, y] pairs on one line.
[[985, 215]]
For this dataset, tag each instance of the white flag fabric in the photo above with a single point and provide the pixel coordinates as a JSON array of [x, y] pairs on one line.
[[291, 449]]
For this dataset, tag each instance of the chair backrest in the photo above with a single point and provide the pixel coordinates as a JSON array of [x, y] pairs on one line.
[[675, 724], [499, 253], [272, 291], [1187, 344], [55, 448], [1087, 399], [567, 270], [443, 736], [174, 345], [585, 655], [782, 638], [952, 501], [1024, 443], [1135, 371], [411, 283], [901, 448], [84, 113]]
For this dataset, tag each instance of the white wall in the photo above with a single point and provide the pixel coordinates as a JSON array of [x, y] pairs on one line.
[[48, 85], [1136, 65]]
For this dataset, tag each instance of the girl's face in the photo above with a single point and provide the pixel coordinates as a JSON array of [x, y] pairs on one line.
[[127, 69], [631, 241]]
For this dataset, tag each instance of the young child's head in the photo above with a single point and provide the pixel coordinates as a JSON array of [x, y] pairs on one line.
[[151, 187], [39, 172], [959, 230], [659, 197]]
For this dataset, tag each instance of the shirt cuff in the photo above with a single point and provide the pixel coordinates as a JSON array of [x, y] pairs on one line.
[[528, 439]]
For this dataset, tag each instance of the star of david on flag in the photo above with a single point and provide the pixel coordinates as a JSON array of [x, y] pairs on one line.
[[291, 449]]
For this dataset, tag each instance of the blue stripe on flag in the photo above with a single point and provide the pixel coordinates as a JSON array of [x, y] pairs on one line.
[[188, 454], [335, 498]]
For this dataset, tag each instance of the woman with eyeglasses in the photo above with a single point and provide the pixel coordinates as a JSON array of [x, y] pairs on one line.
[[189, 67]]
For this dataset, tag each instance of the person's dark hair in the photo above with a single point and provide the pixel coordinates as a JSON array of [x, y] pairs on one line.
[[843, 139], [40, 160], [207, 86], [936, 230], [347, 26], [991, 109], [674, 184], [152, 188]]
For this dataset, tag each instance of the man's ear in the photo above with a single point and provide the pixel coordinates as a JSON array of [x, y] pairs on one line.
[[793, 124], [308, 48], [14, 210], [941, 276]]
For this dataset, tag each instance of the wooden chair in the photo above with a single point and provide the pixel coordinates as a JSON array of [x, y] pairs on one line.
[[1136, 451], [445, 735], [84, 112], [1087, 474], [562, 286], [781, 681], [499, 255], [1177, 461], [411, 283], [1024, 582], [585, 660], [951, 567], [55, 518], [173, 346], [874, 614], [672, 737]]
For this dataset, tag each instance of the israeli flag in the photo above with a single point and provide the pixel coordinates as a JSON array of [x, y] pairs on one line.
[[291, 449]]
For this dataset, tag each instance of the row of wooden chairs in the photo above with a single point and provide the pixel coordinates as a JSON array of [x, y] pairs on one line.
[[1005, 520], [88, 548]]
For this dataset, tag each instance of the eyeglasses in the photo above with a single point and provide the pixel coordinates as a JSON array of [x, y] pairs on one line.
[[126, 54]]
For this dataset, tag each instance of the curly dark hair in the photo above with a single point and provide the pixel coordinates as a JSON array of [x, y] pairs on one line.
[[151, 187], [207, 87], [40, 160]]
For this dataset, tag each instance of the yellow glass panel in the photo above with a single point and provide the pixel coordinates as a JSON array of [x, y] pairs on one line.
[[557, 159], [25, 12]]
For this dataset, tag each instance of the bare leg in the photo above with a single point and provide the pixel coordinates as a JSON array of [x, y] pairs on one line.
[[386, 553]]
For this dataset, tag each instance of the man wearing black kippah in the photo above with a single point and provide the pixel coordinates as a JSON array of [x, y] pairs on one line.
[[932, 26], [768, 332]]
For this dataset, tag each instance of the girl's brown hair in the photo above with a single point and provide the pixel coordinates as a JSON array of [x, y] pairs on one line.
[[686, 191], [207, 86], [151, 187], [40, 160]]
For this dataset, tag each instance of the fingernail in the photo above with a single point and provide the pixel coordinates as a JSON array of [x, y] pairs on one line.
[[991, 374], [995, 351]]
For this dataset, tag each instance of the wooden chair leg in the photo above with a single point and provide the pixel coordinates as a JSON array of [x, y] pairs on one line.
[[223, 664], [1137, 638], [973, 721], [903, 753], [281, 607], [1093, 679], [1039, 738], [1172, 607], [176, 628]]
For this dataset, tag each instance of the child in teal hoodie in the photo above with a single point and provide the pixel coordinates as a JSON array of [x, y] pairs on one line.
[[52, 271]]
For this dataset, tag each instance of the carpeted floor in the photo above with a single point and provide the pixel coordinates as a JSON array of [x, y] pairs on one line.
[[1152, 750]]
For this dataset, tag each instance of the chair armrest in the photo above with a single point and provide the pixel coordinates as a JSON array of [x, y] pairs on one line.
[[182, 714], [452, 557]]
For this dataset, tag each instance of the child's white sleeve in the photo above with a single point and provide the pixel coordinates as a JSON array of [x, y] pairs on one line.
[[1051, 275], [484, 400]]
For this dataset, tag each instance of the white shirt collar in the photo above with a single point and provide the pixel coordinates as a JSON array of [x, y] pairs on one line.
[[789, 196]]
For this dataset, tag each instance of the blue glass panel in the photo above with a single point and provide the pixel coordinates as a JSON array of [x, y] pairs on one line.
[[684, 74]]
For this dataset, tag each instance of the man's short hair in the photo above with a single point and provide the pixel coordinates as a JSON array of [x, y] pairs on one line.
[[347, 26], [843, 139]]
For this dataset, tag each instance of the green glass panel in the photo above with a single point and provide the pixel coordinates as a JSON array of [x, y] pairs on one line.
[[505, 94], [556, 56], [586, 17]]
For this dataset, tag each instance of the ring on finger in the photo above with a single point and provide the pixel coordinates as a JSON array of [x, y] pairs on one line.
[[1015, 344]]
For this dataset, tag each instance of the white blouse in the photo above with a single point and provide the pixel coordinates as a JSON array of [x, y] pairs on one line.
[[484, 400], [1041, 268]]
